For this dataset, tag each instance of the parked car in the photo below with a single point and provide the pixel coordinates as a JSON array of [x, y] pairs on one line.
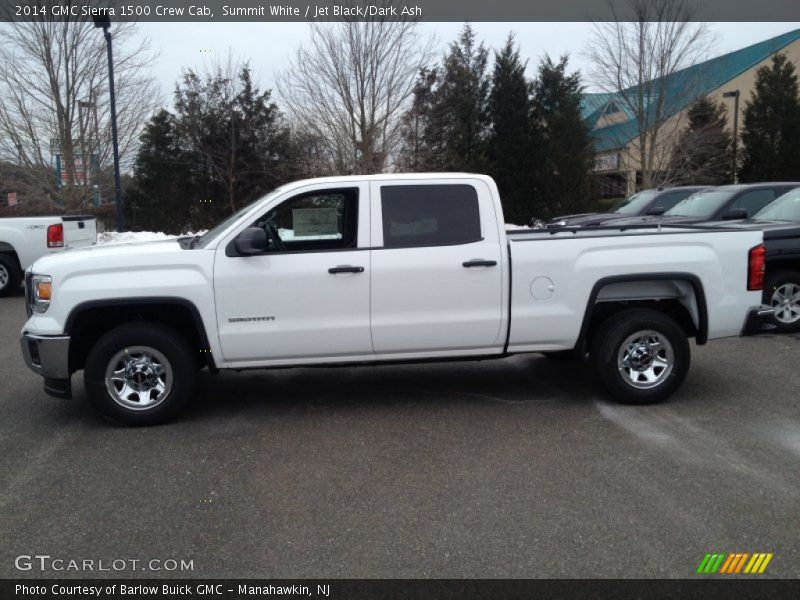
[[25, 239], [723, 203], [382, 268], [653, 202], [780, 222]]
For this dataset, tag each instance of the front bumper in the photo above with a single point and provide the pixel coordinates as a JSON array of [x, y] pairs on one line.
[[48, 356], [756, 318]]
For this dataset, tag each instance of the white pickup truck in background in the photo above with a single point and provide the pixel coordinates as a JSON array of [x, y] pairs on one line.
[[383, 268], [24, 240]]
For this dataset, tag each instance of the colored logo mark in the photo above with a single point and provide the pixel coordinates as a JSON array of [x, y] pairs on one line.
[[734, 563]]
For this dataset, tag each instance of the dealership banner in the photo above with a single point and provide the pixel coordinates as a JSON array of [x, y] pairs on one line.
[[407, 589], [423, 10]]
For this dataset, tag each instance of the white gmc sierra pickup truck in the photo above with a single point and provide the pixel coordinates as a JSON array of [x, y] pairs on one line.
[[25, 239], [366, 269]]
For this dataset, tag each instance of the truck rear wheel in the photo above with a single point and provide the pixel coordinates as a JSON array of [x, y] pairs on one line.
[[9, 275], [782, 292], [140, 374], [640, 355]]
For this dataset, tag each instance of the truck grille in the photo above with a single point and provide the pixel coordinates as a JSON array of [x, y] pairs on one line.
[[28, 293]]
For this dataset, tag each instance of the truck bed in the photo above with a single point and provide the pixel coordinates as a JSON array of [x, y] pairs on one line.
[[556, 273]]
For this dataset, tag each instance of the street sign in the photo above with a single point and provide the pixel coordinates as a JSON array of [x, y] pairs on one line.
[[92, 142], [85, 169], [12, 198]]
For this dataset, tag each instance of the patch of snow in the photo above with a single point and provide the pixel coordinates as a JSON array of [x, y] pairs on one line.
[[124, 237], [511, 226]]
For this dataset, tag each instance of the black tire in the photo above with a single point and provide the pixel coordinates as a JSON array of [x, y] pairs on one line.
[[176, 357], [605, 354], [10, 275], [787, 320]]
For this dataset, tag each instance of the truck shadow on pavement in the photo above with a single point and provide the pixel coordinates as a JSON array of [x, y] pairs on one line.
[[520, 379], [527, 382]]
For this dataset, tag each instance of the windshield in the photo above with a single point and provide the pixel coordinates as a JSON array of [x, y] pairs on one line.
[[701, 205], [213, 233], [634, 205], [785, 208]]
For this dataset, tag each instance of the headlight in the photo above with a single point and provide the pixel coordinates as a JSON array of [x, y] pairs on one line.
[[41, 292]]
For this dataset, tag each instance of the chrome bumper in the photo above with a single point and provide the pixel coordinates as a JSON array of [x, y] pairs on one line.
[[46, 355]]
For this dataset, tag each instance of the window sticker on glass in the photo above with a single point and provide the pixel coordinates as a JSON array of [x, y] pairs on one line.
[[312, 222]]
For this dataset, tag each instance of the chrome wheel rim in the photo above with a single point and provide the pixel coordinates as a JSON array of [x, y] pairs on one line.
[[139, 377], [786, 302], [4, 277], [645, 359]]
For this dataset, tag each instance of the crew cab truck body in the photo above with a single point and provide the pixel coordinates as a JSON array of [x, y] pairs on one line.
[[23, 240], [383, 268]]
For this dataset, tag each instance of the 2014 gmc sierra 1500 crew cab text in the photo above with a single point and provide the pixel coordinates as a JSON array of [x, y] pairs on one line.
[[382, 268]]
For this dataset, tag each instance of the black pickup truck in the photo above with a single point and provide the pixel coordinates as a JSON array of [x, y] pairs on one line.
[[780, 222]]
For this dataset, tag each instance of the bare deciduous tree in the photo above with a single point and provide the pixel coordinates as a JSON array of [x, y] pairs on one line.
[[635, 56], [54, 86], [349, 87]]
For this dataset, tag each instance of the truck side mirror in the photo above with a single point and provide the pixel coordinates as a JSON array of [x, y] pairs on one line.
[[656, 211], [252, 240], [734, 214]]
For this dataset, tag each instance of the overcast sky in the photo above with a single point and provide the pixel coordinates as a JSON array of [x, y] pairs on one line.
[[268, 46]]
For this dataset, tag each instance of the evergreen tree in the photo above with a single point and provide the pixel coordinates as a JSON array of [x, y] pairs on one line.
[[162, 196], [459, 118], [568, 156], [771, 127], [421, 145], [236, 136], [225, 145], [511, 149], [703, 153]]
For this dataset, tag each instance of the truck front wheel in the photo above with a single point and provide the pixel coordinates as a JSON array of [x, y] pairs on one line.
[[640, 355], [140, 374]]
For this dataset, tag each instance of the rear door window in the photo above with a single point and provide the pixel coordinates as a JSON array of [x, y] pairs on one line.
[[429, 215]]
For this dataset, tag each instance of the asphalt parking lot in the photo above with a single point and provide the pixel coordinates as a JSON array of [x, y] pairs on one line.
[[509, 468]]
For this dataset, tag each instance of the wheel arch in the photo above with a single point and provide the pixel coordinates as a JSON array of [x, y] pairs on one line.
[[9, 250], [90, 320], [680, 295]]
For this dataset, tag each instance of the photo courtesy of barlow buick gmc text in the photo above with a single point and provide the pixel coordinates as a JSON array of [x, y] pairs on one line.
[[399, 300]]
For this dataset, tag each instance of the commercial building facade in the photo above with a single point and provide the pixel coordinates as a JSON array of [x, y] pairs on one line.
[[617, 170]]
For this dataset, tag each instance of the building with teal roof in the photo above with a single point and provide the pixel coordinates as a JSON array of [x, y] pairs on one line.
[[614, 126]]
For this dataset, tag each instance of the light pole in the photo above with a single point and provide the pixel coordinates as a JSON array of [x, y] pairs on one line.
[[83, 104], [735, 95], [105, 24]]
